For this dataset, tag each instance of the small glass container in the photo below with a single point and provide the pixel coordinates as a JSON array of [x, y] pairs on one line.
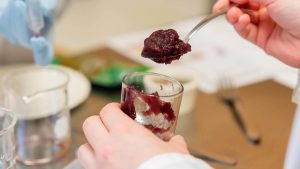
[[38, 96], [152, 100], [7, 139]]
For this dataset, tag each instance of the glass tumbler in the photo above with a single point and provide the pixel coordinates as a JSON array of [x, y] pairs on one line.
[[152, 100], [7, 139], [39, 98]]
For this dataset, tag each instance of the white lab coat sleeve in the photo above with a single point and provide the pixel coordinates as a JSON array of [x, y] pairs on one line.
[[292, 155], [296, 93], [174, 161]]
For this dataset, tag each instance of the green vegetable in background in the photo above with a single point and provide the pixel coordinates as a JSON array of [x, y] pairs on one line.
[[99, 71], [113, 75]]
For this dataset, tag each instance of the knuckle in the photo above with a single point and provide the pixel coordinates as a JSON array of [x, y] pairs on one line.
[[125, 129], [81, 150], [88, 121], [109, 106]]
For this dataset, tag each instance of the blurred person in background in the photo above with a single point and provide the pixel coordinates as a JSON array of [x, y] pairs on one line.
[[18, 42], [117, 142]]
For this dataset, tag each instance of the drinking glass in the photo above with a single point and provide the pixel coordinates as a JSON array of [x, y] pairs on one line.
[[152, 100], [7, 139], [39, 98]]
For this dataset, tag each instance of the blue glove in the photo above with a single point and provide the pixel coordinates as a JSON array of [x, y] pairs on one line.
[[42, 50], [14, 27]]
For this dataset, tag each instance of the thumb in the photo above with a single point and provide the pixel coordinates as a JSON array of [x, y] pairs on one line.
[[263, 2], [179, 140]]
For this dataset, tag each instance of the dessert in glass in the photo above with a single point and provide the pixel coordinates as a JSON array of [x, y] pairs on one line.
[[152, 100]]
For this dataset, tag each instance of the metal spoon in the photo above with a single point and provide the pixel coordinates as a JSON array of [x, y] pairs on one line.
[[204, 21]]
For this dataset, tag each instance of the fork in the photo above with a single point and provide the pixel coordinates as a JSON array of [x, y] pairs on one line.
[[228, 96]]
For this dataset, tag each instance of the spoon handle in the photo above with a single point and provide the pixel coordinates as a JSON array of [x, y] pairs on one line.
[[205, 21], [215, 158]]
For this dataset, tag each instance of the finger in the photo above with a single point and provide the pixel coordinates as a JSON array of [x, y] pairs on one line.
[[94, 130], [254, 16], [220, 4], [234, 14], [246, 4], [178, 140], [245, 28], [254, 5], [180, 143], [240, 1], [41, 50], [263, 2], [268, 25], [115, 119], [242, 23], [87, 157]]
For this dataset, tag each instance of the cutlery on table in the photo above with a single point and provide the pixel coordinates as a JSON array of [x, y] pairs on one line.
[[215, 158], [228, 96]]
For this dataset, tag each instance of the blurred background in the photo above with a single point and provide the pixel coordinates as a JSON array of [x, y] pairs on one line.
[[87, 23], [98, 41]]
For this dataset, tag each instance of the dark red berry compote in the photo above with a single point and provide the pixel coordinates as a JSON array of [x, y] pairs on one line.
[[164, 46], [149, 110]]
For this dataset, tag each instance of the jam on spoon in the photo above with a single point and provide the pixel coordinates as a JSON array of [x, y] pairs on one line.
[[164, 46]]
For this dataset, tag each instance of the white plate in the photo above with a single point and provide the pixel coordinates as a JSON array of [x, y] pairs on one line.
[[79, 86]]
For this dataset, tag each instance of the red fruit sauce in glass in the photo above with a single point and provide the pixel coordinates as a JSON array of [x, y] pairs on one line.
[[155, 107]]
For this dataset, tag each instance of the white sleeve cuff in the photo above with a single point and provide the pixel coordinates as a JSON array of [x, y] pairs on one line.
[[174, 161]]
